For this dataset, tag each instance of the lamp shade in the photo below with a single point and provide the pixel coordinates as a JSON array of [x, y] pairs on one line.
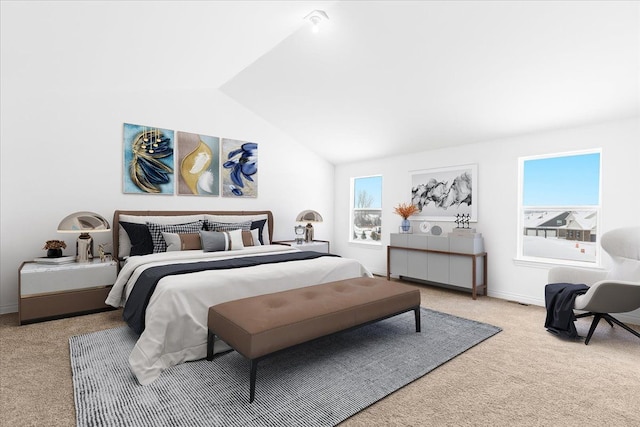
[[309, 216], [83, 222]]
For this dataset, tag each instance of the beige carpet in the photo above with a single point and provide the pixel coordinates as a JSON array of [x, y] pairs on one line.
[[521, 376]]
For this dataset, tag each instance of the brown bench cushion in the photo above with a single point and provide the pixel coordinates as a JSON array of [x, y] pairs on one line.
[[261, 325]]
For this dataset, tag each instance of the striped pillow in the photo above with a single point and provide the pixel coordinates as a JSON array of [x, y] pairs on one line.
[[214, 241]]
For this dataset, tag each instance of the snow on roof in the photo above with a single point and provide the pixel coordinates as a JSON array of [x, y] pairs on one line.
[[533, 219], [575, 220]]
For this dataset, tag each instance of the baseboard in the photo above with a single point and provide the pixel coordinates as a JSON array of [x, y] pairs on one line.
[[632, 318], [6, 309], [517, 298]]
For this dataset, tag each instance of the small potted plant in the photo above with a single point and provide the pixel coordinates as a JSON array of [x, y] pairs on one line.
[[54, 248], [405, 210]]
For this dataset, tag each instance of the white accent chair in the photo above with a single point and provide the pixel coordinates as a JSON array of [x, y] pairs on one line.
[[613, 291]]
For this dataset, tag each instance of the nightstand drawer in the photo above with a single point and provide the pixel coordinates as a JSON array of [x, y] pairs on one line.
[[38, 279], [63, 304], [321, 246]]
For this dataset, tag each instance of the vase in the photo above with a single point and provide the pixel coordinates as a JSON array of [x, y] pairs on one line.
[[54, 253], [406, 225]]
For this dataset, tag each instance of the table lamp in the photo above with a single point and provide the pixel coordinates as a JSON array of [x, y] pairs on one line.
[[309, 216], [83, 223]]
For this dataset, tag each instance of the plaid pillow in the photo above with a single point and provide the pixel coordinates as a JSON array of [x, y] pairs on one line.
[[228, 226], [159, 244]]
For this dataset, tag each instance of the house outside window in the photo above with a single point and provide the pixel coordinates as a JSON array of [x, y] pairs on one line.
[[366, 210], [559, 208]]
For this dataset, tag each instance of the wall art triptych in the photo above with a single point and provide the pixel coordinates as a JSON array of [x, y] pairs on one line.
[[161, 161]]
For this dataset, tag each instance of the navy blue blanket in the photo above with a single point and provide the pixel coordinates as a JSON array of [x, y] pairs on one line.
[[136, 305], [559, 300]]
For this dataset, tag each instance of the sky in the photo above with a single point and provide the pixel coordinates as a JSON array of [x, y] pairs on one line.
[[373, 186], [572, 180]]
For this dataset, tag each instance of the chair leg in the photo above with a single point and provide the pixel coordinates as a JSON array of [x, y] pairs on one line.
[[578, 316], [610, 319], [596, 319]]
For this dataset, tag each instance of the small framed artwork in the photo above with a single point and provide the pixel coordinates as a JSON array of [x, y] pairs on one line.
[[441, 194], [239, 168], [198, 164], [148, 160]]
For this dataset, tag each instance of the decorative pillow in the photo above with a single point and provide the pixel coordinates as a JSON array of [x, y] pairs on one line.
[[259, 225], [227, 226], [250, 238], [140, 237], [182, 242], [235, 237], [214, 241], [159, 244], [255, 240], [241, 218], [124, 243]]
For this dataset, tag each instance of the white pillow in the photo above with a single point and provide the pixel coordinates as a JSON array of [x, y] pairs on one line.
[[236, 239], [255, 233]]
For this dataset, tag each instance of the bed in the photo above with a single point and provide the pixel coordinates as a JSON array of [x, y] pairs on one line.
[[169, 311]]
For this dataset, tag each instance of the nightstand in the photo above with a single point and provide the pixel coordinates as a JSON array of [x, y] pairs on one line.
[[315, 245], [54, 291]]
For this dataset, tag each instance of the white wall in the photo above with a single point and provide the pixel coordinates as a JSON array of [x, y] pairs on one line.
[[74, 72], [62, 152], [497, 196]]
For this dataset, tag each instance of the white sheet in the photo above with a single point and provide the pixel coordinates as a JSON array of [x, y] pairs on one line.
[[176, 317]]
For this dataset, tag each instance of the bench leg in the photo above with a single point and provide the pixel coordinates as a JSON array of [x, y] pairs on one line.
[[210, 340], [417, 313], [252, 380]]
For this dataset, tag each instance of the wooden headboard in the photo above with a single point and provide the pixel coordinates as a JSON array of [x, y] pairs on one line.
[[116, 220]]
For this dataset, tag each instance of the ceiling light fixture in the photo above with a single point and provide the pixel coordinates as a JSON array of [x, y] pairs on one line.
[[316, 17]]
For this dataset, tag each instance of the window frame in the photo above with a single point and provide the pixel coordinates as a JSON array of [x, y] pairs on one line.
[[520, 223], [353, 209]]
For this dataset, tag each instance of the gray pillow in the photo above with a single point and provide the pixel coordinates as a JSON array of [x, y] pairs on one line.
[[214, 241]]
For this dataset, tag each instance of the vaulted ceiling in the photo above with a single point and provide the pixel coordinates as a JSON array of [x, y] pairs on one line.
[[399, 77], [382, 78]]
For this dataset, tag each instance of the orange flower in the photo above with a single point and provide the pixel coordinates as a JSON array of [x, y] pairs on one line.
[[405, 210]]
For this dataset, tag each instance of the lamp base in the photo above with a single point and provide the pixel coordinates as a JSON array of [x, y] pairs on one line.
[[308, 233], [84, 248]]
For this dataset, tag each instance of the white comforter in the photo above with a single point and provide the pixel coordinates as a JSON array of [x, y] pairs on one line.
[[176, 317]]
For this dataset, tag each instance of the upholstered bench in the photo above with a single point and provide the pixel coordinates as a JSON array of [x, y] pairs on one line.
[[262, 325]]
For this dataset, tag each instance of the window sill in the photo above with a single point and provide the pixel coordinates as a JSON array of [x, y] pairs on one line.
[[546, 264], [366, 242]]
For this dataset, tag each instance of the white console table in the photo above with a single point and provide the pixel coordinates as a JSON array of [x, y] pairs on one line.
[[448, 260]]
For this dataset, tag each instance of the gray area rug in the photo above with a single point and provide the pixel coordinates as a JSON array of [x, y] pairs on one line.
[[317, 384]]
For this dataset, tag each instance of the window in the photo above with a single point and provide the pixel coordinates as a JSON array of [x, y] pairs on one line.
[[559, 208], [366, 209]]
